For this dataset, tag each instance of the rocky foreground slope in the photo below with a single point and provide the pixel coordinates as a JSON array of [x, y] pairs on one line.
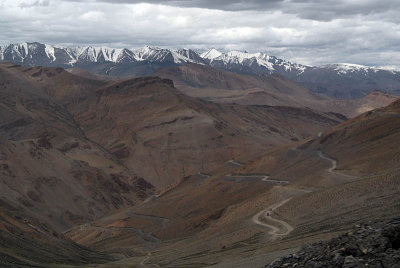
[[374, 244]]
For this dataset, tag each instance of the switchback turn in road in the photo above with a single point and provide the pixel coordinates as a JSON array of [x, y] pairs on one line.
[[333, 165], [280, 228]]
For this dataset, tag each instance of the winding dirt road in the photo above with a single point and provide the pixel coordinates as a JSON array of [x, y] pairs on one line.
[[145, 260], [278, 227], [281, 228], [333, 165], [150, 241], [333, 161], [264, 178], [234, 163], [163, 221]]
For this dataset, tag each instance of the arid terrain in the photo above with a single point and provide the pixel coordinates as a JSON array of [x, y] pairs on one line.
[[192, 167], [227, 87], [292, 196]]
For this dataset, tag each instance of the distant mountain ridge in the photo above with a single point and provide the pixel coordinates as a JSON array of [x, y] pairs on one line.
[[337, 80], [32, 53]]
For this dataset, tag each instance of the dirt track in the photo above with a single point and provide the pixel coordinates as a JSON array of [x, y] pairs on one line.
[[281, 228], [333, 165]]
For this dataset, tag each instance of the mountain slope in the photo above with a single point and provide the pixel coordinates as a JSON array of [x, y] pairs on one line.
[[75, 150], [27, 242], [354, 165], [348, 81], [146, 120], [52, 176], [136, 168], [227, 87], [320, 187], [222, 86], [84, 181]]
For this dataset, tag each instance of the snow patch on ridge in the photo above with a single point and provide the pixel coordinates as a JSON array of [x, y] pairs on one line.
[[345, 68], [23, 46], [50, 52], [391, 68], [211, 54]]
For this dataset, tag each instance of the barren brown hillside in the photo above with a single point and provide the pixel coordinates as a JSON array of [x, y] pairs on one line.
[[48, 180], [74, 150], [310, 190], [146, 120], [227, 87]]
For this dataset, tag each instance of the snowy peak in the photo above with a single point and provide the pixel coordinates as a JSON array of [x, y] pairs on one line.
[[243, 62], [32, 53], [108, 54], [154, 54], [123, 55], [347, 68], [94, 54], [49, 50], [245, 58], [87, 54], [244, 54], [190, 55], [36, 53], [251, 63], [236, 61], [150, 53], [16, 52], [211, 54]]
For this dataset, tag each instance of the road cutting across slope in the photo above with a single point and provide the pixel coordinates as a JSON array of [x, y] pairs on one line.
[[333, 161], [333, 165], [264, 178], [234, 163], [150, 241], [278, 227], [281, 228]]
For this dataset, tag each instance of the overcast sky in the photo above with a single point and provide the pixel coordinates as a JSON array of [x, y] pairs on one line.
[[305, 31]]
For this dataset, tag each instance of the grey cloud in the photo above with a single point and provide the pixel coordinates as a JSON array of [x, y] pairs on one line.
[[40, 3], [321, 10], [235, 5], [371, 37]]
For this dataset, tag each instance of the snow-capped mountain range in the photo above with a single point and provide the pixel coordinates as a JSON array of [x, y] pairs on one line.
[[146, 60], [28, 53], [34, 53]]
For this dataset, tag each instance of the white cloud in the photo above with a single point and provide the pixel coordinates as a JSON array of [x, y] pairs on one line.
[[92, 16], [370, 35]]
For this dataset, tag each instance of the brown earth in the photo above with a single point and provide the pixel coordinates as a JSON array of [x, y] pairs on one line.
[[81, 156], [49, 167], [146, 120], [350, 174], [48, 181], [227, 87], [74, 150]]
